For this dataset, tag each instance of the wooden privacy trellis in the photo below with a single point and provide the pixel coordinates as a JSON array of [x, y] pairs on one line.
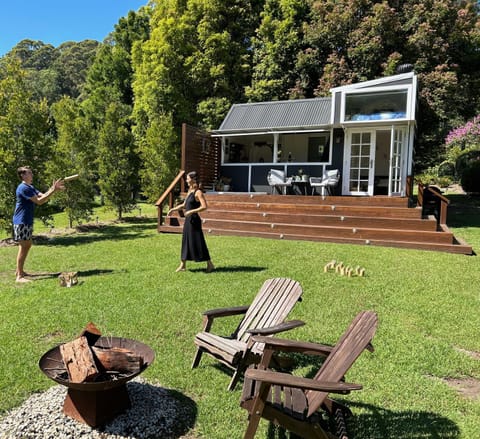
[[202, 153]]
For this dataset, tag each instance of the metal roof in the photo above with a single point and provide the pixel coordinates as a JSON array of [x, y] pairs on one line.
[[299, 114]]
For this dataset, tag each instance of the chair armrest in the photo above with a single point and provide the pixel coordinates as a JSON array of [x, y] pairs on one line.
[[304, 347], [210, 315], [285, 379], [285, 326], [225, 312]]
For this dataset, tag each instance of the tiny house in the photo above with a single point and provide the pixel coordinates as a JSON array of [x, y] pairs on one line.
[[365, 130]]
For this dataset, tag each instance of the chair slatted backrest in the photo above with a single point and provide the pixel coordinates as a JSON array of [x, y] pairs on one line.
[[353, 342], [271, 305], [276, 176]]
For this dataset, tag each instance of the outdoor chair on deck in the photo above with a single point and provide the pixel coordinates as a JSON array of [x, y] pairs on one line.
[[265, 316], [302, 405], [329, 180], [277, 181]]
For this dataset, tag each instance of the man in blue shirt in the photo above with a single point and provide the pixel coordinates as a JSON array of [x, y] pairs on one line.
[[26, 199]]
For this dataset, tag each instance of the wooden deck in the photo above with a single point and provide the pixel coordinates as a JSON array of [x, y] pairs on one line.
[[380, 220]]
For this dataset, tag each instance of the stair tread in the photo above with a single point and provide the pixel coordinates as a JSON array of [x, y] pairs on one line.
[[300, 218]]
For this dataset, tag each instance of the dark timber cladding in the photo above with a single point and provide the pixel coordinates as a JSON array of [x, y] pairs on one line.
[[202, 153]]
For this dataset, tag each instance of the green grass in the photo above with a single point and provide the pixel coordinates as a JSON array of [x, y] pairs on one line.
[[428, 305]]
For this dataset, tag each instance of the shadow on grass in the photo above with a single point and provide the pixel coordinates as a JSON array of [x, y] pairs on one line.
[[463, 211], [380, 423], [96, 272], [231, 269], [95, 233], [86, 273]]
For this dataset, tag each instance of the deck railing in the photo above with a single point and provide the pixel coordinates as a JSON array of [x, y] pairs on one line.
[[428, 195], [168, 194]]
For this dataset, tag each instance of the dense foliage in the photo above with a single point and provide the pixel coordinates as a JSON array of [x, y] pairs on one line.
[[177, 61]]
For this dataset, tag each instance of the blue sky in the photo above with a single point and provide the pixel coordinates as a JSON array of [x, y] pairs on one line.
[[57, 21]]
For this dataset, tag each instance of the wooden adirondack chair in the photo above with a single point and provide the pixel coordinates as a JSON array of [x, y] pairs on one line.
[[300, 404], [265, 316]]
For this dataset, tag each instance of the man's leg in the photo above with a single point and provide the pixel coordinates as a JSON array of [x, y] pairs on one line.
[[23, 249]]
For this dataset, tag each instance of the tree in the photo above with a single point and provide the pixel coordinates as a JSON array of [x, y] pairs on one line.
[[116, 159], [109, 80], [55, 72], [276, 44], [353, 40], [72, 63], [158, 156], [195, 64], [73, 153], [25, 135]]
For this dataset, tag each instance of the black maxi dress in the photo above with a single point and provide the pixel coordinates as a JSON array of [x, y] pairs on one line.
[[194, 247]]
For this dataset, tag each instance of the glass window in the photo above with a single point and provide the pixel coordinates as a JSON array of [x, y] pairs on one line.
[[384, 105], [319, 148]]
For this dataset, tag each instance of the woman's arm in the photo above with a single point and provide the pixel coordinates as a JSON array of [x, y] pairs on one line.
[[176, 208]]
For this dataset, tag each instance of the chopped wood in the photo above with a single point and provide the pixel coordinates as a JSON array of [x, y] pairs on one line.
[[78, 360], [118, 359], [92, 333]]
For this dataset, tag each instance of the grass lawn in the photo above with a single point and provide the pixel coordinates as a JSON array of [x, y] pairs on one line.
[[428, 306]]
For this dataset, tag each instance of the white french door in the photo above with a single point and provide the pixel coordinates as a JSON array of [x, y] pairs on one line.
[[397, 160], [359, 165]]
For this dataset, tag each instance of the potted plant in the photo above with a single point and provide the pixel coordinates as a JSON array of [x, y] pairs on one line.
[[303, 176]]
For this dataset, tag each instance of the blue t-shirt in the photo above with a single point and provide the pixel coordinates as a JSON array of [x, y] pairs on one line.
[[24, 207]]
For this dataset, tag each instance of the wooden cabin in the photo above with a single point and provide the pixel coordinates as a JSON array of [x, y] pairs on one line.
[[365, 132]]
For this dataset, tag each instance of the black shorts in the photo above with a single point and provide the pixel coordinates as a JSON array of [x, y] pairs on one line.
[[22, 232]]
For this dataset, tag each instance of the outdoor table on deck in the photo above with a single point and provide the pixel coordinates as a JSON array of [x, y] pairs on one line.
[[300, 187]]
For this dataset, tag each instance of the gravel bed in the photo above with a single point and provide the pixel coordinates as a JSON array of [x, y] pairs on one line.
[[155, 413]]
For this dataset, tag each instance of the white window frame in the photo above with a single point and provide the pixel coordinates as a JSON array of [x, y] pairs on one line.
[[409, 110]]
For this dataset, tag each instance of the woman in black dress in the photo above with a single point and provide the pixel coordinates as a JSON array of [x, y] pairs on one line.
[[194, 247]]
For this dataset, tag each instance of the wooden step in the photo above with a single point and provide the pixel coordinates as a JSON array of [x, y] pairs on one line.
[[313, 231], [458, 248], [329, 219], [318, 209], [308, 199], [382, 221], [340, 231]]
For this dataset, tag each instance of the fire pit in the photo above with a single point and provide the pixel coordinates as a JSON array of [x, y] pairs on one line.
[[97, 401]]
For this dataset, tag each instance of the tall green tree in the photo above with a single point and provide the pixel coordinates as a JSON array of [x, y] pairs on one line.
[[195, 64], [117, 159], [109, 79], [353, 40], [55, 72], [158, 155], [26, 135], [73, 153], [277, 42]]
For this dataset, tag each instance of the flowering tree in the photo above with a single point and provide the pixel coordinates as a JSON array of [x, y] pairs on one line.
[[463, 146], [465, 137]]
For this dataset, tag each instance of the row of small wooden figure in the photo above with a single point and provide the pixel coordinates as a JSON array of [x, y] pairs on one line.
[[344, 270]]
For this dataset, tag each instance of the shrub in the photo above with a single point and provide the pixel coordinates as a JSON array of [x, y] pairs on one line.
[[444, 181], [446, 169], [471, 177], [464, 159]]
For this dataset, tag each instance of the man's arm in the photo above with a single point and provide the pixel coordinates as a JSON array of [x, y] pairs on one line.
[[43, 198]]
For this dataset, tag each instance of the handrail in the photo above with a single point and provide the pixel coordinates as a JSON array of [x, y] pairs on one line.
[[168, 193], [443, 201]]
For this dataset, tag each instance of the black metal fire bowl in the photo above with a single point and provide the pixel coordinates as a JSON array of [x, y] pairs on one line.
[[96, 403]]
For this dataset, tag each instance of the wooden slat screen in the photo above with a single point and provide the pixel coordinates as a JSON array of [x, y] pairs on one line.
[[202, 153]]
